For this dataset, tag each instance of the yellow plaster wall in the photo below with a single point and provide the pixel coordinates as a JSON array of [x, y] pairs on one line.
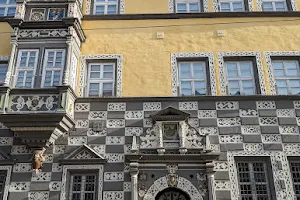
[[146, 6], [5, 33], [146, 64]]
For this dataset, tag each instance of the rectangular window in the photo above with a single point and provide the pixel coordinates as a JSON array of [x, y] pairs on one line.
[[231, 6], [193, 78], [188, 6], [274, 5], [53, 67], [253, 180], [7, 8], [2, 183], [3, 70], [240, 77], [106, 7], [83, 187], [287, 76], [295, 170], [101, 79], [26, 68]]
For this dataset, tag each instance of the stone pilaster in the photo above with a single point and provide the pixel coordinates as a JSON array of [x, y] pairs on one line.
[[134, 171], [210, 181]]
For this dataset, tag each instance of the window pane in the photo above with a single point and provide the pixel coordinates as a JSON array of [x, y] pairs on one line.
[[95, 68], [238, 6], [3, 70], [11, 11], [282, 91], [186, 85], [267, 6], [225, 6], [280, 6], [108, 68], [194, 7], [279, 72], [3, 2], [95, 75], [281, 83], [181, 8], [99, 10]]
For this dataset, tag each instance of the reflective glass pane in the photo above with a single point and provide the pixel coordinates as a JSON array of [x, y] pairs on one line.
[[280, 6], [94, 86], [99, 10], [181, 8], [2, 11], [225, 6], [111, 9], [292, 72], [282, 91], [231, 66], [291, 64], [200, 92], [95, 68], [295, 90], [232, 74], [11, 11], [3, 2], [281, 83], [234, 91], [186, 92], [108, 68], [107, 86], [247, 73], [279, 73], [184, 66], [277, 65], [95, 75], [267, 6], [109, 75], [237, 6], [185, 75], [3, 68], [186, 84], [234, 84], [12, 2], [294, 83], [194, 7], [199, 84], [248, 83], [248, 91]]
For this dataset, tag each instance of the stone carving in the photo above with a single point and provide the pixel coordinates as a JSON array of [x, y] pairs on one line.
[[22, 167], [94, 115], [19, 187], [151, 106], [289, 129], [37, 14], [35, 103], [38, 195], [43, 33], [113, 176], [296, 104], [230, 139], [193, 122], [127, 186], [66, 168], [82, 123], [285, 113], [56, 167], [150, 140], [41, 176], [250, 129], [134, 115], [55, 186], [147, 123], [271, 138], [130, 131], [84, 67], [208, 131], [83, 155], [256, 147], [227, 122], [222, 185], [265, 105], [100, 149], [268, 121], [188, 105], [20, 149], [115, 140], [174, 66], [220, 166], [116, 107], [222, 68], [113, 195], [291, 149], [82, 107], [115, 123], [38, 160], [4, 141], [73, 71], [59, 149], [207, 114], [77, 140], [114, 157], [182, 183], [98, 128], [227, 105], [248, 113]]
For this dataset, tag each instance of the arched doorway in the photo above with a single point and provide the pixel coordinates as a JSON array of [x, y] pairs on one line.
[[172, 194]]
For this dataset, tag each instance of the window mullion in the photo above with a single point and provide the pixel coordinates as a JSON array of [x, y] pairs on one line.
[[252, 180], [82, 190]]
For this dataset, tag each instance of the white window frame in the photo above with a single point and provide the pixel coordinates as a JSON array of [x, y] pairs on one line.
[[106, 4], [239, 78], [18, 69], [273, 5], [286, 77], [191, 63], [45, 69], [101, 80], [188, 2], [82, 190], [231, 5], [7, 6]]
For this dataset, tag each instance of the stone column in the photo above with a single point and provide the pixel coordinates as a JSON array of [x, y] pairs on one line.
[[184, 127], [160, 149], [134, 171], [11, 64], [68, 59], [210, 173]]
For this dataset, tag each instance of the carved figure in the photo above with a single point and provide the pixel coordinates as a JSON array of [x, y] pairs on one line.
[[38, 159]]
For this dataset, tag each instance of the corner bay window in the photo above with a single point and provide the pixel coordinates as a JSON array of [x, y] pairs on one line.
[[287, 76], [274, 5], [101, 79], [231, 6], [253, 180], [83, 187], [105, 7], [28, 73], [187, 6], [240, 77], [193, 79]]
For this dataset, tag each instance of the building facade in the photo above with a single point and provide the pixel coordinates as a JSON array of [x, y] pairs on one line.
[[149, 100]]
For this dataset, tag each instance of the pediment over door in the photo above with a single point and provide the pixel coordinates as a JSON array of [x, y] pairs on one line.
[[170, 114]]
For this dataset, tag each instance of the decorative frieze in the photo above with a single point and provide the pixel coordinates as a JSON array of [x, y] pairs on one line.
[[56, 167], [95, 115], [55, 186], [248, 113], [291, 149], [82, 123], [59, 149], [98, 128], [127, 186], [82, 107], [115, 123], [151, 106], [289, 129], [37, 14], [285, 113], [255, 147], [134, 115], [227, 122], [193, 122], [114, 157], [220, 166], [230, 139], [191, 105], [214, 147], [296, 104], [227, 105], [113, 195], [147, 123], [265, 105], [268, 121], [77, 140], [271, 138], [115, 140], [19, 187], [22, 167], [250, 129], [83, 155], [38, 195], [207, 114], [208, 131], [222, 185], [130, 131], [116, 107], [100, 149], [41, 176], [6, 141], [36, 33], [113, 176], [20, 149]]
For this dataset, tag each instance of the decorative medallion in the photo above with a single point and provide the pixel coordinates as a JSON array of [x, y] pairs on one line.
[[37, 14], [56, 14]]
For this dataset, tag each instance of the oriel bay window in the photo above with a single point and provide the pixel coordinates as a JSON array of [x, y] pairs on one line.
[[242, 77], [29, 73], [193, 78], [188, 6], [101, 79]]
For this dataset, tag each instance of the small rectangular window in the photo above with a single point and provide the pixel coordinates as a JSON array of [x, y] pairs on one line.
[[26, 68], [295, 170], [193, 78], [106, 7], [7, 8], [188, 6], [232, 6], [253, 180], [2, 183], [53, 67], [240, 77], [287, 76], [83, 187], [274, 5], [3, 70], [101, 79]]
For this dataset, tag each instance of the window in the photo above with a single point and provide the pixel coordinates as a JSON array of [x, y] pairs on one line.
[[295, 170], [232, 6], [287, 76], [193, 79], [274, 5], [26, 68], [106, 7], [240, 77], [3, 70], [253, 180], [53, 67], [101, 79], [83, 187], [2, 183], [188, 6], [7, 8]]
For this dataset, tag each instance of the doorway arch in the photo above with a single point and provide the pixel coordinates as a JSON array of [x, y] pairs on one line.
[[172, 193], [182, 184]]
